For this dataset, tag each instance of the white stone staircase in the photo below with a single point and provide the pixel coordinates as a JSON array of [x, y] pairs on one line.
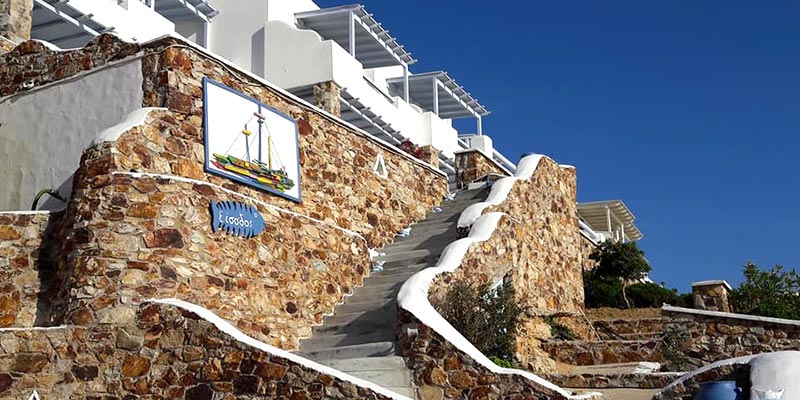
[[360, 338]]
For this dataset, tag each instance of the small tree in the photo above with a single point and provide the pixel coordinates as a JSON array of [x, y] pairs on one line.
[[772, 293], [624, 261]]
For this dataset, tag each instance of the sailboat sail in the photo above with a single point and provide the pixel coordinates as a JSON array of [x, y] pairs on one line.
[[254, 168]]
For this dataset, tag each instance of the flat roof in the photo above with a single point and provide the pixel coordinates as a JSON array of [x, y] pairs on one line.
[[594, 214], [374, 47], [453, 100], [179, 9]]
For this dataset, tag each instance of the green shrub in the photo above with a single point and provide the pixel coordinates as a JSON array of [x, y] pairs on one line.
[[644, 295], [772, 293], [558, 331], [488, 318]]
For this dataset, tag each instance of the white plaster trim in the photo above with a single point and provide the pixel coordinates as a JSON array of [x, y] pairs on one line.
[[229, 329], [51, 46], [31, 212], [500, 190], [780, 321], [687, 376], [35, 328], [132, 120], [413, 295], [138, 175], [713, 282]]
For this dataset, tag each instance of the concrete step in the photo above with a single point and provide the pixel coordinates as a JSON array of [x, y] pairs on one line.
[[396, 378], [373, 289], [403, 264], [405, 391], [407, 255], [366, 363], [364, 304], [368, 321], [397, 276], [438, 242], [373, 349], [326, 341]]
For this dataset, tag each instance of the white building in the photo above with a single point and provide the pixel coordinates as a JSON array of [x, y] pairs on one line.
[[296, 45]]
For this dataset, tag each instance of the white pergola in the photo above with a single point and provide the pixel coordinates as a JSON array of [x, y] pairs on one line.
[[610, 216], [439, 93], [57, 22]]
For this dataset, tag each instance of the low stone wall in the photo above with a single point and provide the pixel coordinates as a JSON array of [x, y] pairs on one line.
[[473, 164], [165, 352], [24, 267], [608, 313], [537, 247], [613, 381], [713, 336], [444, 372], [605, 352], [634, 329]]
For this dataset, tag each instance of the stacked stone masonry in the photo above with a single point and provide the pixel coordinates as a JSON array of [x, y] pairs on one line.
[[24, 267], [577, 352], [712, 338], [472, 165], [537, 247], [15, 20], [128, 236], [164, 352], [444, 372]]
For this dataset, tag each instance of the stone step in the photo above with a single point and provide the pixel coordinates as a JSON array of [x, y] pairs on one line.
[[364, 305], [366, 363], [325, 341], [397, 276], [367, 321], [408, 255], [373, 349]]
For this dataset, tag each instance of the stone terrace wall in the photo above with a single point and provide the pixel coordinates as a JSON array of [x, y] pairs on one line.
[[537, 246], [150, 237], [444, 372], [576, 352], [127, 238], [712, 338], [473, 164], [24, 267], [165, 353], [338, 183], [336, 161]]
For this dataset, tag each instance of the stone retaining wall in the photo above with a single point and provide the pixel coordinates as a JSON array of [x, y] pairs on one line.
[[687, 389], [24, 267], [712, 338], [151, 237], [166, 353], [129, 237], [613, 381], [473, 164], [444, 372], [537, 247], [605, 352]]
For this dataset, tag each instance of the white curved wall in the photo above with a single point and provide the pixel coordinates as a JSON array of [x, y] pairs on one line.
[[43, 133]]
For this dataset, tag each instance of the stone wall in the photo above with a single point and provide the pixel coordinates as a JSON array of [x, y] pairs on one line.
[[537, 247], [164, 352], [577, 352], [711, 296], [151, 237], [710, 338], [15, 19], [25, 268], [444, 372], [128, 237], [473, 164]]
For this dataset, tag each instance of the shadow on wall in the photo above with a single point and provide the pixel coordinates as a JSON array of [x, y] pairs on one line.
[[257, 44]]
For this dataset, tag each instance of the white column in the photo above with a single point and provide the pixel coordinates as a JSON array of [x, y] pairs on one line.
[[608, 219], [405, 82], [352, 34], [435, 96], [480, 125]]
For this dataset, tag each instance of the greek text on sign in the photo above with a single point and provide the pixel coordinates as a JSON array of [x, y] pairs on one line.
[[236, 218]]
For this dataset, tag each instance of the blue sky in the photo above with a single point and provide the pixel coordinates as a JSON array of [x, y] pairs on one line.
[[687, 111]]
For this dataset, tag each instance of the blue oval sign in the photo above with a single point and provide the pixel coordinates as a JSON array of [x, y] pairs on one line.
[[236, 218]]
